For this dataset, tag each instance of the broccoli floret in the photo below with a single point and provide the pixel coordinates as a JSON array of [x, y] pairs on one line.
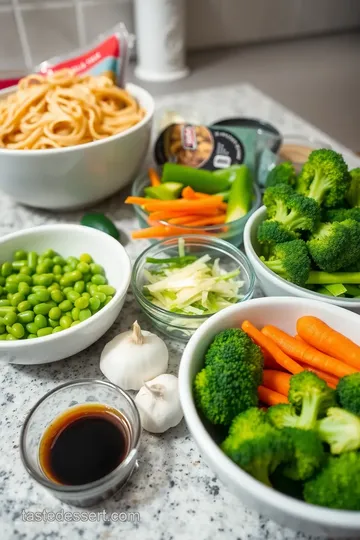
[[340, 430], [291, 261], [336, 485], [340, 214], [228, 383], [348, 392], [352, 250], [284, 173], [327, 246], [353, 195], [308, 454], [311, 397], [325, 178], [255, 445], [293, 211], [270, 233], [283, 415]]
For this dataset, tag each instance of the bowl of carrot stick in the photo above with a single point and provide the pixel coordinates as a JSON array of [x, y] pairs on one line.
[[288, 443], [188, 212]]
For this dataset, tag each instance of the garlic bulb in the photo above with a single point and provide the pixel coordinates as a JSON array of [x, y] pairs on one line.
[[134, 357], [159, 404]]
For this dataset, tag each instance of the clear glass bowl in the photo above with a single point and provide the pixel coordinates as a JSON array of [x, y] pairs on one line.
[[58, 401], [232, 232], [175, 325]]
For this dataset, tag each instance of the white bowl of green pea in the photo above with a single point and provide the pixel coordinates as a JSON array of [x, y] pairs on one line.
[[61, 288]]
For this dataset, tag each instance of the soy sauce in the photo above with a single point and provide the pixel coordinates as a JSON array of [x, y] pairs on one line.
[[84, 444]]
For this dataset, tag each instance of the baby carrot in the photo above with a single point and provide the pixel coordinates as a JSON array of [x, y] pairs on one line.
[[329, 341], [270, 346], [305, 353], [276, 380], [299, 338], [270, 397], [154, 177]]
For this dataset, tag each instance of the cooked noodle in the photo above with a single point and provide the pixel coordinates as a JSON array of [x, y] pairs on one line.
[[65, 109]]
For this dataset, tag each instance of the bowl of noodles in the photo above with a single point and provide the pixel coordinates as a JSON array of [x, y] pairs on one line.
[[68, 141]]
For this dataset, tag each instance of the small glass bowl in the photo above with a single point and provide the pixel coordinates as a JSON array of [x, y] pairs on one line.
[[175, 325], [58, 401], [232, 232]]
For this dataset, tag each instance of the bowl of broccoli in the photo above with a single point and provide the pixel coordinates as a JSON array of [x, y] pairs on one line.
[[305, 240], [297, 462]]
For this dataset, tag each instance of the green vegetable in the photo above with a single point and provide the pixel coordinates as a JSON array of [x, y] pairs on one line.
[[227, 385], [198, 179], [271, 233], [255, 445], [164, 192], [353, 195], [241, 195], [325, 178], [100, 222], [311, 397], [340, 430], [336, 485], [308, 454], [290, 261], [341, 214], [326, 278], [283, 415], [348, 392], [284, 173], [336, 290], [326, 246]]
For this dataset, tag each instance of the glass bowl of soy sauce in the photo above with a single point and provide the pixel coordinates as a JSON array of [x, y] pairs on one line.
[[80, 441]]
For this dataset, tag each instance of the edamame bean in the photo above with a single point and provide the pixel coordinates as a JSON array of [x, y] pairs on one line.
[[84, 314], [57, 329], [107, 289], [32, 259], [65, 321], [53, 286], [26, 317], [18, 264], [66, 305], [49, 254], [10, 337], [24, 288], [40, 321], [37, 288], [83, 267], [11, 288], [101, 296], [93, 289], [2, 328], [59, 260], [17, 330], [72, 296], [44, 267], [82, 303], [3, 337], [42, 309], [96, 269], [98, 279], [6, 269], [23, 306], [57, 296], [79, 287], [87, 277], [32, 327], [20, 255], [4, 310], [86, 295], [32, 299], [10, 318], [108, 299], [43, 295], [31, 336], [57, 269], [94, 304], [17, 298], [75, 323], [88, 285], [53, 323], [5, 302], [75, 313], [55, 313], [2, 280], [85, 257], [46, 279], [44, 331]]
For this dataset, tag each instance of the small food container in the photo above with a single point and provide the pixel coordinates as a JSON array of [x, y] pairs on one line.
[[64, 400], [178, 326]]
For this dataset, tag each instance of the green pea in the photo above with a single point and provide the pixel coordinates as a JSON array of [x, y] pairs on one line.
[[85, 257], [11, 288], [57, 296], [86, 295], [16, 330], [84, 314], [2, 328], [18, 264], [57, 329], [65, 321], [75, 323], [98, 279], [53, 323], [42, 309], [24, 288], [75, 313], [101, 296], [17, 298], [40, 321], [20, 255], [83, 267], [49, 254], [46, 279], [6, 269], [5, 302], [44, 331], [23, 306], [94, 304], [97, 269], [107, 289], [31, 336], [32, 327], [72, 296], [26, 317], [2, 280], [79, 287], [32, 259], [59, 260], [57, 269], [81, 303], [4, 310], [66, 305], [108, 299], [10, 337], [55, 313], [43, 296], [10, 318], [3, 337]]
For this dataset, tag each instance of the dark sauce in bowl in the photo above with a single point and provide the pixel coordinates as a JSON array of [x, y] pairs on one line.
[[84, 444]]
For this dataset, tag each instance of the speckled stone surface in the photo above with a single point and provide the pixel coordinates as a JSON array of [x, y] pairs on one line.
[[176, 494]]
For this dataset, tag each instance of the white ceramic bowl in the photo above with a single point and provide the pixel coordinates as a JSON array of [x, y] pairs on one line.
[[282, 312], [69, 240], [271, 283], [77, 176]]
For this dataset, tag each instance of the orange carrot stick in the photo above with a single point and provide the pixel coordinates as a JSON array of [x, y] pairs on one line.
[[137, 200], [183, 220], [329, 341], [276, 380], [164, 215], [270, 397], [330, 379], [163, 231], [182, 204], [154, 177], [190, 194], [266, 343], [305, 353], [201, 222], [269, 362]]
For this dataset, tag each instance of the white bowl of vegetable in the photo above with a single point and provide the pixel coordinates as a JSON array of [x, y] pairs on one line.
[[268, 465], [305, 241], [180, 283]]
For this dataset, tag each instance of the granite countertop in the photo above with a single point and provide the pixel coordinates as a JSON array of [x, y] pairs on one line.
[[173, 490]]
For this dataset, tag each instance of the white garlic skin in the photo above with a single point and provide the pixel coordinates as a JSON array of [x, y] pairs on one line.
[[160, 409], [129, 365]]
